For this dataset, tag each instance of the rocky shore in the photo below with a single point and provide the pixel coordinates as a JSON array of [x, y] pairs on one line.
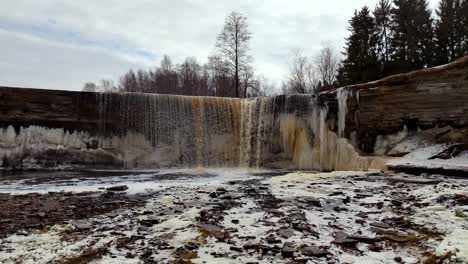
[[258, 217]]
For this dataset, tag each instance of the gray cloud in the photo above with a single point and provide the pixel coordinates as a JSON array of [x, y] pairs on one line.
[[61, 44]]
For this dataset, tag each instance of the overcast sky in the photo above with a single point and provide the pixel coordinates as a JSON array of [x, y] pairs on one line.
[[60, 44]]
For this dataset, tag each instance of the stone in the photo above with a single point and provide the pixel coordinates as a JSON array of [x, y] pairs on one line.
[[288, 250], [364, 239], [450, 152], [313, 251], [285, 232], [237, 249], [120, 188], [272, 240], [343, 239], [80, 224], [149, 222], [380, 225]]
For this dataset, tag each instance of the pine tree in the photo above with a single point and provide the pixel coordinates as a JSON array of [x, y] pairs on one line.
[[464, 26], [360, 64], [448, 31], [383, 20], [412, 41]]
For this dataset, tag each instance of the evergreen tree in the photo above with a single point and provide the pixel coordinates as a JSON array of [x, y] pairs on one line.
[[383, 20], [360, 64], [464, 26], [412, 40], [448, 31]]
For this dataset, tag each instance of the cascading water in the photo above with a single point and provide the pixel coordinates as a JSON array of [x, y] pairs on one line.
[[151, 131]]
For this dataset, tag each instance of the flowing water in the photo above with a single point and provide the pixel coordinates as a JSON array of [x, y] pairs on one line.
[[165, 131]]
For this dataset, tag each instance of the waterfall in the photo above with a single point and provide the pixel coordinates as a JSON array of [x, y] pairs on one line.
[[152, 131], [290, 131]]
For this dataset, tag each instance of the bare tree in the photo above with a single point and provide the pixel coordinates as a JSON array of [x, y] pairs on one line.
[[302, 76], [90, 87], [220, 79], [233, 45], [107, 86], [191, 77], [166, 77], [249, 82], [327, 62]]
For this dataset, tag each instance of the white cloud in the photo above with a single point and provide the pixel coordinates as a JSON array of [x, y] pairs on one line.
[[61, 44]]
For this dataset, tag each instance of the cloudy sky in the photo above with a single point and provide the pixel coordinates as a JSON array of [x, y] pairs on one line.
[[60, 44]]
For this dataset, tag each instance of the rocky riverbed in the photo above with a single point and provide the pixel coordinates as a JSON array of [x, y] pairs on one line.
[[223, 216]]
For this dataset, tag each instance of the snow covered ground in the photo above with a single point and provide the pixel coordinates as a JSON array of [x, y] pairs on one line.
[[241, 216]]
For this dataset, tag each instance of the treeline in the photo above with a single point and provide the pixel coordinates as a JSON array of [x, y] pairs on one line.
[[395, 37], [229, 71], [402, 36]]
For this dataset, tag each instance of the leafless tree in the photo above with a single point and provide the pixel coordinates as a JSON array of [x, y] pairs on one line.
[[90, 87], [166, 77], [220, 79], [249, 82], [128, 82], [192, 78], [233, 45], [302, 76], [107, 86], [327, 63]]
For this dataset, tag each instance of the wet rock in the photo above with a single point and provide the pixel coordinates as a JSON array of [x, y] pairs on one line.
[[311, 200], [346, 200], [413, 180], [221, 190], [288, 250], [313, 251], [215, 231], [343, 239], [22, 233], [364, 239], [149, 222], [285, 232], [237, 249], [80, 225], [249, 246], [119, 188], [450, 152], [191, 246], [272, 240], [232, 196], [297, 217], [397, 202], [380, 225]]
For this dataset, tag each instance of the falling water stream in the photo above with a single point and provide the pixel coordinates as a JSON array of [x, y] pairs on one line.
[[147, 131], [182, 131]]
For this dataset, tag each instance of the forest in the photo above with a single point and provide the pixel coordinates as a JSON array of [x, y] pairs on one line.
[[394, 37]]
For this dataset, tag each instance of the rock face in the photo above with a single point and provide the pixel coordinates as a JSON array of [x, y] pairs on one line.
[[423, 99], [48, 108], [294, 131]]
